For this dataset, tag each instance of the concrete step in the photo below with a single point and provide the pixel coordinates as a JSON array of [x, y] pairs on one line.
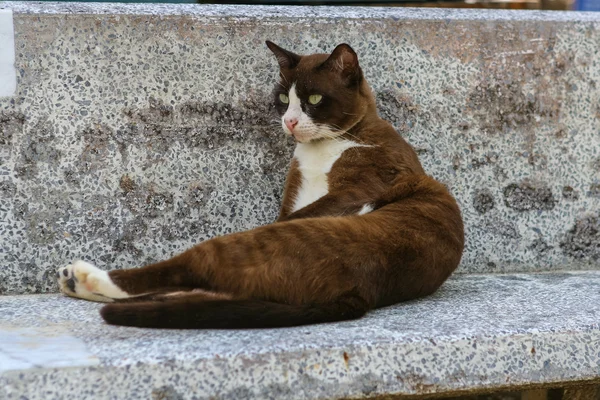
[[479, 332]]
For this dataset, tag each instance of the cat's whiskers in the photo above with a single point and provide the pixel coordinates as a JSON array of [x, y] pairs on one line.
[[342, 132], [318, 131], [326, 133], [330, 135], [345, 132]]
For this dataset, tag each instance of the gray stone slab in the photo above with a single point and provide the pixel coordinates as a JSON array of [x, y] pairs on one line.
[[41, 347], [258, 11], [140, 130], [477, 332]]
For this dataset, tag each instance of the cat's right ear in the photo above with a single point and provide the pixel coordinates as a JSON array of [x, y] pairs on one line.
[[286, 59], [344, 61]]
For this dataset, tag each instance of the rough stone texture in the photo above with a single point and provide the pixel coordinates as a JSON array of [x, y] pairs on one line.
[[477, 332], [140, 130]]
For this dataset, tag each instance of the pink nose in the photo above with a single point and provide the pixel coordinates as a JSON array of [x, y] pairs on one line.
[[291, 123]]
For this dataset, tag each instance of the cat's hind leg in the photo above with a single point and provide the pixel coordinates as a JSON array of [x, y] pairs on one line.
[[85, 281]]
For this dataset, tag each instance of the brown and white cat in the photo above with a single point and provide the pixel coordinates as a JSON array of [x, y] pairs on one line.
[[361, 225]]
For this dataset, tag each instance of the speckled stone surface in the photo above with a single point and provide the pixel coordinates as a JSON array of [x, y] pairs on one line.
[[140, 130], [477, 332]]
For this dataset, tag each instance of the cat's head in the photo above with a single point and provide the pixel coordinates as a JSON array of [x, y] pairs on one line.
[[319, 96]]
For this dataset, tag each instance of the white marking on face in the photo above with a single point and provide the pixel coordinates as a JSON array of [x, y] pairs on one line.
[[305, 129], [367, 208], [315, 160], [294, 112], [89, 283]]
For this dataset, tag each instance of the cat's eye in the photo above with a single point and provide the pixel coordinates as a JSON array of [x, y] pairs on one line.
[[283, 98], [315, 99]]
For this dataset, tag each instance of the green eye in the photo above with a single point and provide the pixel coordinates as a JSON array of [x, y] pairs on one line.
[[315, 99], [284, 99]]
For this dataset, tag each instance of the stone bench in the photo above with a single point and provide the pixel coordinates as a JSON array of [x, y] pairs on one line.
[[478, 333], [136, 131]]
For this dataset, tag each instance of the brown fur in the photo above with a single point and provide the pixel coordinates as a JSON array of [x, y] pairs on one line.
[[323, 262]]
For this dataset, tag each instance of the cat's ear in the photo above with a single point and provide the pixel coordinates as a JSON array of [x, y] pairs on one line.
[[344, 61], [286, 59]]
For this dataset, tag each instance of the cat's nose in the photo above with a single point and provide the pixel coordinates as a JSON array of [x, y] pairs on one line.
[[291, 123]]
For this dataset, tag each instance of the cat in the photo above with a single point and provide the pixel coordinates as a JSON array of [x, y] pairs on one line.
[[361, 225]]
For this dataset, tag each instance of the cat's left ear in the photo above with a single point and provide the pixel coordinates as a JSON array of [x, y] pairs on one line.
[[344, 61], [286, 59]]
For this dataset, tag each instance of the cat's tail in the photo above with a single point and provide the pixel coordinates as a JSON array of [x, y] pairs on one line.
[[195, 312]]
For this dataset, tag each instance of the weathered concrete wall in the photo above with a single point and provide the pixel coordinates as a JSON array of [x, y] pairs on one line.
[[137, 131]]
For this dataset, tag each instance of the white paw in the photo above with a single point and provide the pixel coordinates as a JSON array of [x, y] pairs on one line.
[[83, 280]]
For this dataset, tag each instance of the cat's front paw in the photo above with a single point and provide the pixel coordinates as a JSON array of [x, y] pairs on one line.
[[85, 281]]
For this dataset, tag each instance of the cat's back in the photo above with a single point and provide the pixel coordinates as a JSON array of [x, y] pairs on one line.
[[389, 149]]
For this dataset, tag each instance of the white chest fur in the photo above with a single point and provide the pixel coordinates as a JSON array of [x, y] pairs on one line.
[[314, 162]]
